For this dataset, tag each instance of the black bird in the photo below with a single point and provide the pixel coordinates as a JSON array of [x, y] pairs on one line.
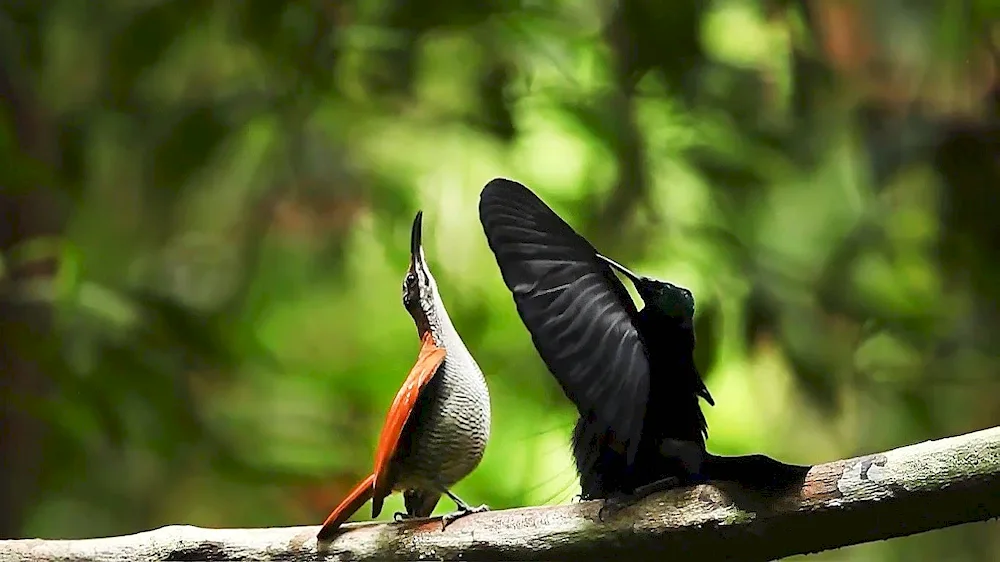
[[630, 373]]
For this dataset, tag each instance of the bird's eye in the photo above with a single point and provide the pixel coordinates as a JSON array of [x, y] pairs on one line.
[[409, 288]]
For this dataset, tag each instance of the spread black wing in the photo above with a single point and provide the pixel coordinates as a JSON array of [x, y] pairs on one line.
[[578, 312]]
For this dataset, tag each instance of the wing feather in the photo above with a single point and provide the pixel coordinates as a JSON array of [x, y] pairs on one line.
[[428, 361], [579, 314]]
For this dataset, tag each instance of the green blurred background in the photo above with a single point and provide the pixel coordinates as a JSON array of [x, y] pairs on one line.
[[204, 213]]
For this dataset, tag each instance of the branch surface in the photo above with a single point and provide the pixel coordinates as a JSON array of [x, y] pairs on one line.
[[901, 492]]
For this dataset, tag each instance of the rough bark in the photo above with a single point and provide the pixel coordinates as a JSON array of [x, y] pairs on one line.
[[909, 490]]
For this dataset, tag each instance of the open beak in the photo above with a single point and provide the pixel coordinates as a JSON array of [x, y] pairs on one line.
[[621, 268], [416, 251]]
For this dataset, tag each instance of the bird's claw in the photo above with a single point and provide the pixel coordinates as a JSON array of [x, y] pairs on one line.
[[400, 516], [613, 505], [616, 503], [448, 518]]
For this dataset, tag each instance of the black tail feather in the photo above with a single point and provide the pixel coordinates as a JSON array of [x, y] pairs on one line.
[[758, 472]]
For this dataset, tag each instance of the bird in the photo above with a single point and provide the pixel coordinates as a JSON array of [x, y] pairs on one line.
[[438, 426], [631, 373]]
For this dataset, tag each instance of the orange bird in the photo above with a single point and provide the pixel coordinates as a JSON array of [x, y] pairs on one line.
[[438, 425]]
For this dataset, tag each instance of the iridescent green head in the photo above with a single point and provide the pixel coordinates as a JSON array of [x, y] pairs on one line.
[[672, 300]]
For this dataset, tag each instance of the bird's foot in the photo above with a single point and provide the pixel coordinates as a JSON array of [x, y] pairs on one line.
[[401, 516], [448, 518], [614, 504]]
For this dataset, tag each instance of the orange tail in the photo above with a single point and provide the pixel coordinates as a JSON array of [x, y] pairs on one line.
[[353, 502]]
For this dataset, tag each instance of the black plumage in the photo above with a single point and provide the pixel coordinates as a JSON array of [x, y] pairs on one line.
[[631, 373]]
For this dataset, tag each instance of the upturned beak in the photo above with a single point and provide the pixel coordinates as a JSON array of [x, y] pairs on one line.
[[416, 249], [621, 268]]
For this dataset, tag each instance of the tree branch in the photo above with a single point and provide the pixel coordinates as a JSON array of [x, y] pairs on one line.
[[901, 492]]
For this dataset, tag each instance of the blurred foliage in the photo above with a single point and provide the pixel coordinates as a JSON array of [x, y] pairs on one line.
[[204, 228]]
